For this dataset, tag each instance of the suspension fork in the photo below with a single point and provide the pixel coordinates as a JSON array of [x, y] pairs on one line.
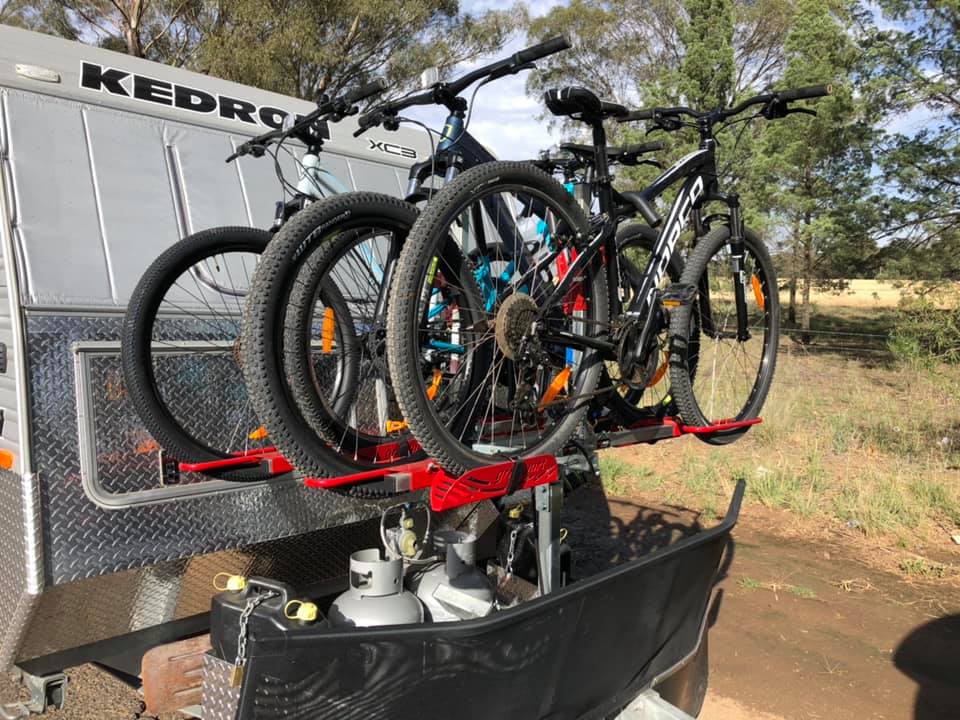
[[392, 254], [737, 250]]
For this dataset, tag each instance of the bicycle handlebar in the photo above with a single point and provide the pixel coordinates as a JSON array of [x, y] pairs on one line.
[[342, 105], [443, 93], [782, 96], [364, 91], [536, 52], [804, 93]]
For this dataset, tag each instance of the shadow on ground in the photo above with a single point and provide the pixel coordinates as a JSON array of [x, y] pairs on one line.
[[602, 534], [930, 656]]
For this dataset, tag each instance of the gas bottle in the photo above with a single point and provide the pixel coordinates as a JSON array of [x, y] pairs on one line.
[[454, 589], [376, 595]]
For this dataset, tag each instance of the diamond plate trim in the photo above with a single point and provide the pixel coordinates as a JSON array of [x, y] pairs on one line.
[[19, 560], [98, 608], [83, 540], [220, 701]]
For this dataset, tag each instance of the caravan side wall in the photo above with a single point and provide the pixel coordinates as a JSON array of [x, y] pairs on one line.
[[95, 186]]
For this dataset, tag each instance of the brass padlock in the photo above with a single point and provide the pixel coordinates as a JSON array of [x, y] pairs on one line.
[[236, 676]]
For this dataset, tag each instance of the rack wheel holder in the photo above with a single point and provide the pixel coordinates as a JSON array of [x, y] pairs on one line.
[[484, 483]]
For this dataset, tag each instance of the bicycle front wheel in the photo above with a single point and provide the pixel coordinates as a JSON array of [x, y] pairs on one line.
[[517, 363], [733, 350]]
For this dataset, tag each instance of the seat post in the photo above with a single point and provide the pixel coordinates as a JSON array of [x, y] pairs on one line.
[[603, 179]]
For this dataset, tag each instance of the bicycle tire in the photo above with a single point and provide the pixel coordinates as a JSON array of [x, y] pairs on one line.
[[681, 381], [402, 315], [137, 341], [296, 436]]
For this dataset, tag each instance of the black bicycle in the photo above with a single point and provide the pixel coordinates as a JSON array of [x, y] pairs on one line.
[[350, 243], [557, 325]]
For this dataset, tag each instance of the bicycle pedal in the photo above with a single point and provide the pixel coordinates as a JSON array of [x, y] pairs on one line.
[[677, 294]]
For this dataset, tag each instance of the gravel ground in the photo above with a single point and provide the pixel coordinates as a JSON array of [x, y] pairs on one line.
[[91, 693]]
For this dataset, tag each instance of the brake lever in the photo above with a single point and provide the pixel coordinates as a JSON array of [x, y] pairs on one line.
[[511, 70], [805, 111], [242, 150]]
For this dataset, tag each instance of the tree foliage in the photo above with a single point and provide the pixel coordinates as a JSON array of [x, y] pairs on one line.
[[304, 47], [917, 68], [812, 174], [636, 51], [296, 47]]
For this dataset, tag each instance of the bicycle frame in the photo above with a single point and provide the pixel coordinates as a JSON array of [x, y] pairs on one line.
[[457, 151], [698, 173]]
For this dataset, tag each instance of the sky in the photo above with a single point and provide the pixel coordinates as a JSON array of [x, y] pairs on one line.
[[505, 118]]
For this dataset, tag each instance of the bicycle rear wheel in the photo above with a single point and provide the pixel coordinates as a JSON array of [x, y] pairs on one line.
[[180, 348], [528, 380], [734, 370]]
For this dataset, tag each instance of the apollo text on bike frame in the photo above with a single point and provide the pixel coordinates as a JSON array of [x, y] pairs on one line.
[[100, 78], [676, 222]]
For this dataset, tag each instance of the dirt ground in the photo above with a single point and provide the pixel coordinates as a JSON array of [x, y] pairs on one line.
[[808, 629]]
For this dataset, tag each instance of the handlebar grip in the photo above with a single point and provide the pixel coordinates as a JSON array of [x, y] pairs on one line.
[[636, 115], [362, 93], [549, 47], [812, 91], [644, 148]]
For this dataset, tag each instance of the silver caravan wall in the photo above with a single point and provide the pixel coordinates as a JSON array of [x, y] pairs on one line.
[[105, 160]]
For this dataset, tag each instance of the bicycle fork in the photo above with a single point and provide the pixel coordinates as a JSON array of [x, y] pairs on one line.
[[737, 250]]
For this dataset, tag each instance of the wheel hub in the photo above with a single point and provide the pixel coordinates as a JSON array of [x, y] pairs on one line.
[[514, 320]]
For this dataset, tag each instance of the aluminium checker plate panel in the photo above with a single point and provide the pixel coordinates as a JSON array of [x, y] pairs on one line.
[[19, 562], [83, 540], [86, 611]]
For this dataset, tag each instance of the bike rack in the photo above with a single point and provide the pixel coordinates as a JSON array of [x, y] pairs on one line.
[[502, 477]]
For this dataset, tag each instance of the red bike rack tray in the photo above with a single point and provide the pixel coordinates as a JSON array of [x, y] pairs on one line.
[[666, 428], [490, 481], [448, 492], [269, 459]]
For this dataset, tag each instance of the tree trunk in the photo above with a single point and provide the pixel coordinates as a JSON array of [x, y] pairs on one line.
[[132, 38], [792, 307], [794, 244], [132, 14]]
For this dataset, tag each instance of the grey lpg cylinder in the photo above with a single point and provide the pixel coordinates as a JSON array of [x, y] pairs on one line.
[[376, 595], [455, 589]]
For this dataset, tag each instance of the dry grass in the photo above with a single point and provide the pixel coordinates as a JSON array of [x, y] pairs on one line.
[[858, 294], [859, 444]]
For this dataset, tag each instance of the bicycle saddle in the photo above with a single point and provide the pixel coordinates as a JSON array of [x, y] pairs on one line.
[[580, 104]]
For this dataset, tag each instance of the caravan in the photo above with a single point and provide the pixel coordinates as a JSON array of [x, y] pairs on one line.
[[105, 161]]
